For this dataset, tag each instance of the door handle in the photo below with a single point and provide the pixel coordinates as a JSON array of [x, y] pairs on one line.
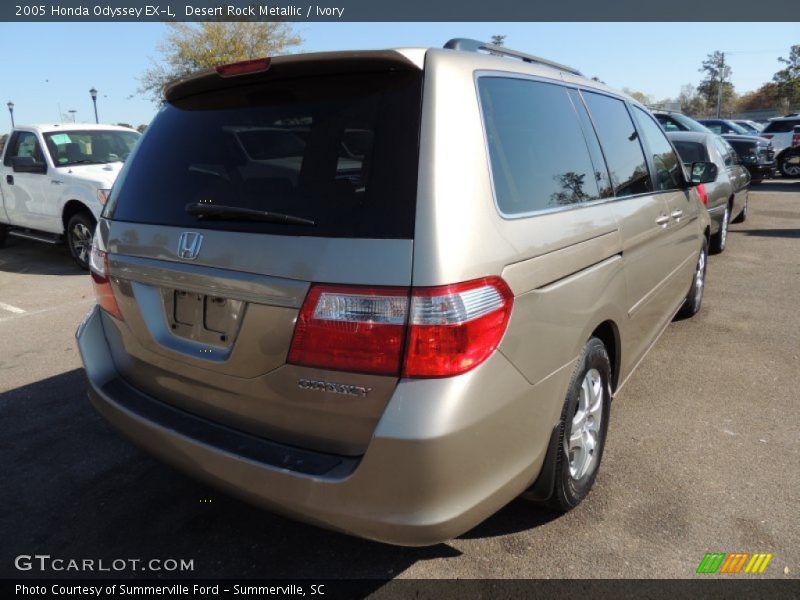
[[662, 220], [677, 214], [56, 182], [10, 179]]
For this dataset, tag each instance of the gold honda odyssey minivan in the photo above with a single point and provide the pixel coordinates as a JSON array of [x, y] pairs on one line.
[[387, 292]]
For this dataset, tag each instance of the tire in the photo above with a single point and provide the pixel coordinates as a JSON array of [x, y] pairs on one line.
[[694, 298], [80, 230], [790, 169], [742, 216], [587, 406], [720, 239], [3, 235]]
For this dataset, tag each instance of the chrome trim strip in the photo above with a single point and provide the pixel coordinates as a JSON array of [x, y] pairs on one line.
[[235, 285]]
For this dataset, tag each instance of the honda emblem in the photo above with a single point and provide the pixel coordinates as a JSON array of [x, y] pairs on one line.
[[189, 245]]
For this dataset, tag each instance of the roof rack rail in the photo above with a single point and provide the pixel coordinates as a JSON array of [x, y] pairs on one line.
[[469, 45]]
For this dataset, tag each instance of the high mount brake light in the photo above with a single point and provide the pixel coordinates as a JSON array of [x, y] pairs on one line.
[[419, 332], [244, 67]]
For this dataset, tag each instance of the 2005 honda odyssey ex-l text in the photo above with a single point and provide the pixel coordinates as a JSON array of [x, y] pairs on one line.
[[387, 292]]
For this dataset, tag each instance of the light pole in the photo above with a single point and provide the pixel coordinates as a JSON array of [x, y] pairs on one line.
[[72, 111], [93, 92], [11, 112]]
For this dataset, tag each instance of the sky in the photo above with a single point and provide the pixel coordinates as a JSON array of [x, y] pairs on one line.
[[48, 68]]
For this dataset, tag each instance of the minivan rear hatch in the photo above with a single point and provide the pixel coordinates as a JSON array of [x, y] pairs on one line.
[[243, 192]]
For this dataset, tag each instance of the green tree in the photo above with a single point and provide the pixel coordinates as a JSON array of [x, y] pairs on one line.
[[716, 88], [141, 128], [692, 103], [128, 125], [189, 47], [498, 40], [765, 97], [639, 96], [787, 79]]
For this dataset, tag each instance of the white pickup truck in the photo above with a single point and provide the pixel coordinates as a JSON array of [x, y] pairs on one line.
[[55, 179]]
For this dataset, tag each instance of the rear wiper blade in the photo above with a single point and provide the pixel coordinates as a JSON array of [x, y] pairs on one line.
[[234, 213]]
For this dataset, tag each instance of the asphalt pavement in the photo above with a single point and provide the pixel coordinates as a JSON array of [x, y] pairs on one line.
[[703, 453]]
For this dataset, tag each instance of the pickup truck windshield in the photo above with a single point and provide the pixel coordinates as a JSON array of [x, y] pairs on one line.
[[339, 151], [93, 146]]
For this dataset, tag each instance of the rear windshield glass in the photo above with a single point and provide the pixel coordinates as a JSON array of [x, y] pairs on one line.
[[691, 152], [781, 126], [340, 150]]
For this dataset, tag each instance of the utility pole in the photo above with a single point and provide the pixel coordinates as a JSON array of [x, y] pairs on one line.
[[719, 87]]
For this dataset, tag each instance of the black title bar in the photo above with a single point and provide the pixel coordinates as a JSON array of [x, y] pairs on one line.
[[406, 10]]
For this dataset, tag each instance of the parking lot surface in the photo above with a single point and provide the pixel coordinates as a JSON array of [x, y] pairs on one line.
[[703, 452]]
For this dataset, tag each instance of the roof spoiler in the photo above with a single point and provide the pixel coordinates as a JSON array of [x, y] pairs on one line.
[[468, 45]]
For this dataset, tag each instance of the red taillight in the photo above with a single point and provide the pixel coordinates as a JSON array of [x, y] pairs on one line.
[[244, 67], [351, 329], [701, 191], [454, 328], [98, 268], [796, 139], [430, 332]]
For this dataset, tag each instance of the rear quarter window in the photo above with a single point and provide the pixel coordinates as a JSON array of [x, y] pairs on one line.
[[691, 152], [537, 150]]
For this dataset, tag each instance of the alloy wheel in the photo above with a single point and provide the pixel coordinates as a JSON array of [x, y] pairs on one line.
[[582, 447]]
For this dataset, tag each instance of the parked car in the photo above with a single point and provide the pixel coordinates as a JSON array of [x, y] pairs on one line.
[[400, 352], [671, 120], [755, 154], [785, 138], [726, 196], [723, 126], [752, 126], [55, 179]]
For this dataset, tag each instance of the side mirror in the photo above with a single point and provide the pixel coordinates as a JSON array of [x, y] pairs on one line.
[[703, 172], [27, 164]]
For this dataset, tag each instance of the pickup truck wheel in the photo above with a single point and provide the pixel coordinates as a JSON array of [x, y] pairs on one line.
[[584, 424], [790, 164], [80, 230]]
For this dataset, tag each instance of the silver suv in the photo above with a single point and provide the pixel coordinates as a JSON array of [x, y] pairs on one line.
[[387, 292]]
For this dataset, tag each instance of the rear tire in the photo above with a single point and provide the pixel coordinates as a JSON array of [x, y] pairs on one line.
[[3, 235], [742, 216], [583, 428], [720, 239], [694, 299], [80, 231]]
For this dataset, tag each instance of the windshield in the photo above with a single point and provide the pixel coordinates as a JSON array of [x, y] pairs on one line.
[[690, 124], [94, 146], [338, 150]]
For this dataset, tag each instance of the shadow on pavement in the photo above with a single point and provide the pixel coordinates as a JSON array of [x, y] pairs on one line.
[[785, 233], [37, 258], [72, 488], [777, 185]]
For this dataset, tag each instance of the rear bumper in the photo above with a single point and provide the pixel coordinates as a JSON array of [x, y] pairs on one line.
[[446, 454]]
